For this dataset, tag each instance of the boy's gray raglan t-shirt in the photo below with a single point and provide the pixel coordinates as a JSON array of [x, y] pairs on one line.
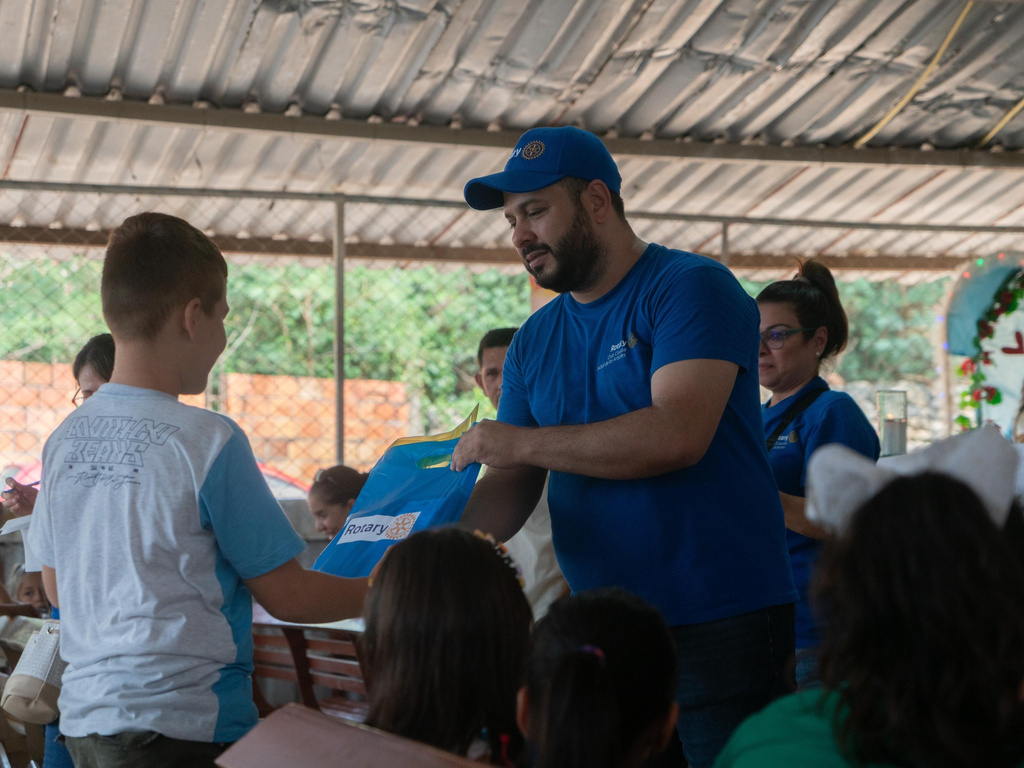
[[153, 513]]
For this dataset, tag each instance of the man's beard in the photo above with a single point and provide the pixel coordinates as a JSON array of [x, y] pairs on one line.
[[579, 256]]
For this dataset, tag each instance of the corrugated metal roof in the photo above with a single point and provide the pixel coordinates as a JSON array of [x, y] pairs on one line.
[[765, 73]]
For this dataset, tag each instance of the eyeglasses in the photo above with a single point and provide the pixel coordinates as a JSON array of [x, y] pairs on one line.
[[776, 337], [78, 398]]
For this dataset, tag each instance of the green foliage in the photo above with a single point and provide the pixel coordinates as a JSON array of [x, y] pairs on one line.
[[892, 329], [48, 309], [417, 326], [422, 327]]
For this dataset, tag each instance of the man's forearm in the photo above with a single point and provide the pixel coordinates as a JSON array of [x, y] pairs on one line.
[[795, 510], [502, 501], [688, 401], [640, 444]]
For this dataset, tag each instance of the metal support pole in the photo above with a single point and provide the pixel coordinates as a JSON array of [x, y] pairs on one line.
[[339, 329], [725, 243]]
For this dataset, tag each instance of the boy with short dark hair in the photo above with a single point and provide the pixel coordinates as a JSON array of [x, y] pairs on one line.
[[155, 527]]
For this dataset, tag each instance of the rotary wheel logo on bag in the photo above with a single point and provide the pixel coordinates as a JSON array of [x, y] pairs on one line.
[[401, 527]]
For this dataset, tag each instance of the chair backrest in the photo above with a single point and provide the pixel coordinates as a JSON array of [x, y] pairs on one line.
[[303, 738], [333, 660], [279, 654], [310, 656]]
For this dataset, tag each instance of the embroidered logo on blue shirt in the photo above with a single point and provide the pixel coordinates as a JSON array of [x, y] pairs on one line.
[[784, 441], [617, 351]]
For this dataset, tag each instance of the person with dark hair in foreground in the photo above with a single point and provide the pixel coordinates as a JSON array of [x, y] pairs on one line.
[[447, 627], [922, 655], [598, 690]]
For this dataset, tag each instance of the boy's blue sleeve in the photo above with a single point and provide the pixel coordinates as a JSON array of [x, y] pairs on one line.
[[252, 531]]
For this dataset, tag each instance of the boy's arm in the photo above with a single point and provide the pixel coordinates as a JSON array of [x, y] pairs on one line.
[[292, 593], [50, 586]]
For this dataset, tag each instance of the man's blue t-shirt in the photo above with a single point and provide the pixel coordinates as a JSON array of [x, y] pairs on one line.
[[833, 417], [700, 543]]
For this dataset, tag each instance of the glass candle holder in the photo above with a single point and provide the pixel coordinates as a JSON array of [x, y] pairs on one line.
[[892, 421]]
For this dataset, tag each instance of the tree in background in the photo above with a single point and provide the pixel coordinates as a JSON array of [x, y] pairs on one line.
[[419, 326], [48, 309]]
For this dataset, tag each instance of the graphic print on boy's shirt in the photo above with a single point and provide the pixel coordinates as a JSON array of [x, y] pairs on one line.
[[108, 450]]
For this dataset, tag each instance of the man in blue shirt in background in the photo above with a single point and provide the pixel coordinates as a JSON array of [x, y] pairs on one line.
[[636, 389]]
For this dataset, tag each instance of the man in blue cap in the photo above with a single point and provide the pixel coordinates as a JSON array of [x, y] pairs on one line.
[[636, 389]]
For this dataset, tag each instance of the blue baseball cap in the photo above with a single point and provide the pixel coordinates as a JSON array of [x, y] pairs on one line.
[[541, 157]]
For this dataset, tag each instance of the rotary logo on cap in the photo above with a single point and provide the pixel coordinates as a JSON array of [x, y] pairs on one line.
[[533, 150]]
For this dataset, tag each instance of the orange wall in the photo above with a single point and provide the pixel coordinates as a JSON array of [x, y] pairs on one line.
[[289, 419]]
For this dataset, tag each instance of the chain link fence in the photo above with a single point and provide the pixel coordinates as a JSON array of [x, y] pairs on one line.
[[409, 336], [410, 328]]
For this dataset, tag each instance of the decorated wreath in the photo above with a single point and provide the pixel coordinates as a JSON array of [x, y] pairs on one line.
[[1004, 302]]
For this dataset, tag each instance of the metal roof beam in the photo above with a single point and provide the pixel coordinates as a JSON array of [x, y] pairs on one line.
[[267, 247], [58, 187], [369, 130]]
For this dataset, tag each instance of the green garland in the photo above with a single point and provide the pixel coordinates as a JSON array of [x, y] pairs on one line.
[[1004, 302]]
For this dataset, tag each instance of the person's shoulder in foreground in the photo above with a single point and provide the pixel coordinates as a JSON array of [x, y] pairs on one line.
[[795, 730]]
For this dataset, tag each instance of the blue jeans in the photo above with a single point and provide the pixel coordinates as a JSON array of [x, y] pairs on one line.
[[728, 670], [141, 749], [55, 754], [807, 669]]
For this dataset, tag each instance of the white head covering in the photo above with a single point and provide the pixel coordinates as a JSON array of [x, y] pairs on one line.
[[840, 480]]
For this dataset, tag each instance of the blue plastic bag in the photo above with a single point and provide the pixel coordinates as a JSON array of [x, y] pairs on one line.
[[411, 488]]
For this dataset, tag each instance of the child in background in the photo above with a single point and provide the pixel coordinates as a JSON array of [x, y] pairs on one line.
[[27, 587], [92, 368], [599, 683], [447, 627], [332, 496]]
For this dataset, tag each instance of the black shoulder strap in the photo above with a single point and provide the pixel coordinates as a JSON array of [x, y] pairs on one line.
[[791, 413]]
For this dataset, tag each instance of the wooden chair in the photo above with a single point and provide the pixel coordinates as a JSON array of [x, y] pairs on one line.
[[332, 656], [299, 737], [311, 657], [274, 659]]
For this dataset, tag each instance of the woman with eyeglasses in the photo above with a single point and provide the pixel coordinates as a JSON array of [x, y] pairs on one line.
[[803, 325], [332, 496], [93, 367]]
